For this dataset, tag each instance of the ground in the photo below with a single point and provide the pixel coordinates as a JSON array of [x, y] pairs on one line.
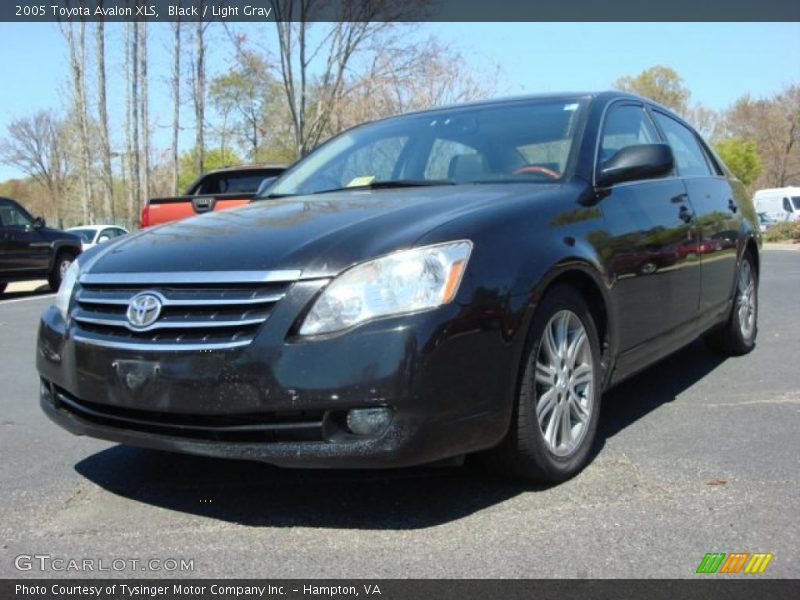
[[697, 454]]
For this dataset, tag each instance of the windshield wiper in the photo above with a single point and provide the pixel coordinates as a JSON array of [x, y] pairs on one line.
[[391, 183]]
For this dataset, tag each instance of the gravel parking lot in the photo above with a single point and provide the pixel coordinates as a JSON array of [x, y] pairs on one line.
[[697, 454]]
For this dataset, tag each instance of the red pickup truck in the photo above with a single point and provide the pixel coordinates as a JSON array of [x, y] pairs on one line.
[[215, 190]]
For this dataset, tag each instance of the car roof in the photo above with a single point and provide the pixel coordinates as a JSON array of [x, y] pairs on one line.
[[601, 96]]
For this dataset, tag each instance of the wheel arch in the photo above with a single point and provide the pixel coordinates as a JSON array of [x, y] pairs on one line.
[[588, 281], [752, 247]]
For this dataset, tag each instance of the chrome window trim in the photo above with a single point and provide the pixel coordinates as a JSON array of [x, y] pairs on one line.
[[189, 277]]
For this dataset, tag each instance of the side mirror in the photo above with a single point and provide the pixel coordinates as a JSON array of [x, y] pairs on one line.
[[39, 222], [103, 238], [643, 161]]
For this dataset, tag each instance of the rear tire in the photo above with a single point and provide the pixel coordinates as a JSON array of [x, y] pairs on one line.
[[60, 265], [3, 287], [558, 399], [738, 335]]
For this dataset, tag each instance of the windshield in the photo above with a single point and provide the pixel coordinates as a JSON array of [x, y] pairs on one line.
[[796, 202], [528, 141], [87, 235]]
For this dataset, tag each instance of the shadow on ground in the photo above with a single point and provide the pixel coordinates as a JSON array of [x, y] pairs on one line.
[[256, 494]]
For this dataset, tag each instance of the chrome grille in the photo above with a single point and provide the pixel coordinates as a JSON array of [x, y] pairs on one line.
[[199, 311]]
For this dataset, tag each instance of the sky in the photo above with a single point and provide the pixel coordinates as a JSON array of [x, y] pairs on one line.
[[719, 62]]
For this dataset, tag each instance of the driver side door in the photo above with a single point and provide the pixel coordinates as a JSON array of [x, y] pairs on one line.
[[24, 249], [650, 246]]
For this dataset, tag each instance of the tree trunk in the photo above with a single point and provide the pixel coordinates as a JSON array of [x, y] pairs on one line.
[[136, 175], [145, 164], [199, 98], [127, 166], [77, 59], [176, 104], [105, 146]]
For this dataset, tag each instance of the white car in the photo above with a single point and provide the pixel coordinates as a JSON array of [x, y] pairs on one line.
[[91, 235]]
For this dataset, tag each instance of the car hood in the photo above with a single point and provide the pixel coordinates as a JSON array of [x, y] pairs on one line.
[[320, 234]]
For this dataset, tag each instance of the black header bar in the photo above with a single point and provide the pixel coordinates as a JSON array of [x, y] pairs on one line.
[[400, 10]]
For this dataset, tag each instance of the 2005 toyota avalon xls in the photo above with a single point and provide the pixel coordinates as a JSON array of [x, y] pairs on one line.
[[418, 288]]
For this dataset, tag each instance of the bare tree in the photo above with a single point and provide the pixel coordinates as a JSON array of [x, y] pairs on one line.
[[774, 124], [35, 145], [102, 110], [77, 59], [409, 77], [176, 101], [199, 93], [132, 117], [144, 115], [352, 27]]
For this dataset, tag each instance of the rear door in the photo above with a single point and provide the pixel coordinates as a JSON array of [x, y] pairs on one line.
[[650, 247], [717, 216]]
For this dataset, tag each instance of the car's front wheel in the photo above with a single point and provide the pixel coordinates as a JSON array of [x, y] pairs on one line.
[[738, 335], [558, 399], [60, 266]]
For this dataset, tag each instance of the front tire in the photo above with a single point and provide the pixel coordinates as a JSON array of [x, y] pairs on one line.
[[738, 335], [558, 399], [60, 266]]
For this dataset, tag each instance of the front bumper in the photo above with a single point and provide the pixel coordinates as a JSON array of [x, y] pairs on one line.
[[448, 379]]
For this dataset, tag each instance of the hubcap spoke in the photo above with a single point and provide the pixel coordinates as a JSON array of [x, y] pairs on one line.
[[578, 410], [545, 405], [545, 374], [575, 346]]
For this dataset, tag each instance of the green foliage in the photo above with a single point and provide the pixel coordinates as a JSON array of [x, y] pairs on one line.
[[658, 83], [782, 232], [742, 158], [213, 158]]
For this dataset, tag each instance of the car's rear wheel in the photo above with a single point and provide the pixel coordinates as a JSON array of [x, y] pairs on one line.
[[3, 287], [738, 335], [60, 265], [558, 399]]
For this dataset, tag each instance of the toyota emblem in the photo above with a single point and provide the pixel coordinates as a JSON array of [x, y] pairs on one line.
[[143, 309]]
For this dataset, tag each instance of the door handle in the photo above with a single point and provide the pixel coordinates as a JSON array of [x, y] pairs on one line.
[[685, 214], [732, 206]]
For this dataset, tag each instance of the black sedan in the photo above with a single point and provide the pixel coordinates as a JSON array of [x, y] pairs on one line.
[[462, 280]]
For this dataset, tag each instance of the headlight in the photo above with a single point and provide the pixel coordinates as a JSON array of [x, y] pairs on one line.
[[402, 282], [66, 288]]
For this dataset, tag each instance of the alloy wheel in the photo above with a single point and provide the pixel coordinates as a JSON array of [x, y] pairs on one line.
[[746, 287], [564, 380]]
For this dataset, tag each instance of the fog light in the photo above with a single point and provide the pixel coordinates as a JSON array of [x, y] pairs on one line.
[[368, 421], [45, 393]]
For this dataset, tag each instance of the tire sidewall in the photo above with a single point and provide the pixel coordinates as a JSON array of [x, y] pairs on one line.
[[55, 275]]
